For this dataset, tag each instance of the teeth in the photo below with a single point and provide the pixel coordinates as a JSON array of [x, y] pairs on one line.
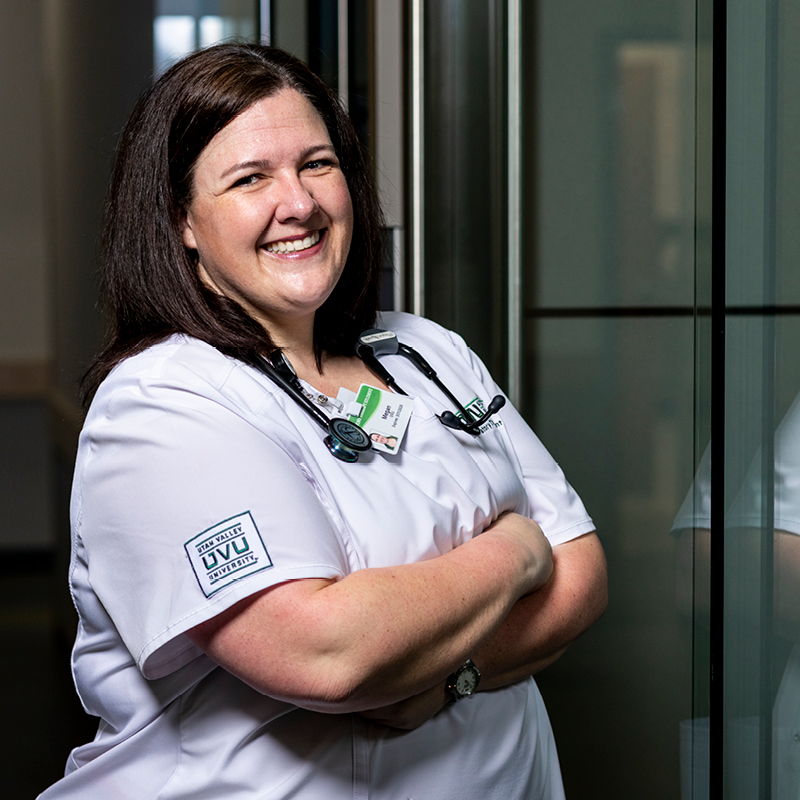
[[294, 245]]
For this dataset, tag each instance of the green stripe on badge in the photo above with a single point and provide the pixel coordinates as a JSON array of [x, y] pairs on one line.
[[370, 399], [371, 402]]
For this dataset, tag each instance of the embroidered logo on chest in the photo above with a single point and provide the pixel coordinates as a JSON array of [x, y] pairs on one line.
[[227, 552], [477, 408]]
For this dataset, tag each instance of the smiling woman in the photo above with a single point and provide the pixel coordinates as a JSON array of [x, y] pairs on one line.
[[152, 284], [272, 231], [258, 619]]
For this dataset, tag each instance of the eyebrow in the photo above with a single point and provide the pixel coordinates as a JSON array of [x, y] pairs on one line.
[[264, 164]]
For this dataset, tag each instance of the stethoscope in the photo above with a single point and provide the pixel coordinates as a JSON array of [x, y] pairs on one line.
[[345, 439]]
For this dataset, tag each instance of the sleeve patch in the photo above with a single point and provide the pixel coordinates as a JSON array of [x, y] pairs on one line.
[[227, 552]]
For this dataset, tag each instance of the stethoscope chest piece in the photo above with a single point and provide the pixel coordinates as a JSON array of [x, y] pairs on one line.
[[346, 440]]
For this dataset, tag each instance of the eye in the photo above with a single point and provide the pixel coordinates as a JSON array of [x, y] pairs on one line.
[[246, 180], [320, 164]]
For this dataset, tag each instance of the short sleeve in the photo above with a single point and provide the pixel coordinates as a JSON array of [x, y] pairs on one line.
[[554, 504], [184, 508], [746, 509], [695, 511]]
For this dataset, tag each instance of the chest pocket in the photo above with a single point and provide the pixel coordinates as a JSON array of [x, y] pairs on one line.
[[440, 490]]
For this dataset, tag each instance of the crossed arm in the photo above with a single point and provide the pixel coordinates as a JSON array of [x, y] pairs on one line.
[[536, 631], [386, 638]]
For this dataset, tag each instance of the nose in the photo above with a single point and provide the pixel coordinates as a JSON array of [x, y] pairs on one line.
[[295, 201]]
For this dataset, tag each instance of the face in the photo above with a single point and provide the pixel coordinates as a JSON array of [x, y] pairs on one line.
[[270, 217]]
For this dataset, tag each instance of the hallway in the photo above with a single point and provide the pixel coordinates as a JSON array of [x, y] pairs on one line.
[[39, 706]]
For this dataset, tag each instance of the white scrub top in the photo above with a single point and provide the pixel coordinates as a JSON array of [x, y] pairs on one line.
[[198, 483]]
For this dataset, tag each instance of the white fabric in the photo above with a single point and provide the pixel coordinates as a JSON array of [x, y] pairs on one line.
[[180, 439]]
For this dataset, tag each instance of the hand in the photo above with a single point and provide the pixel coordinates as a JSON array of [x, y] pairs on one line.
[[527, 534], [412, 712]]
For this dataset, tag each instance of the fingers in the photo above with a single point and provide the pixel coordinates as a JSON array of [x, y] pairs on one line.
[[535, 551], [412, 712]]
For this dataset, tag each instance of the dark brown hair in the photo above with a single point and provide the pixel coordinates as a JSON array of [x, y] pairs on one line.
[[151, 287]]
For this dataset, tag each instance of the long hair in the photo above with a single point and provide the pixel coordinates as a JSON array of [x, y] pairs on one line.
[[149, 280]]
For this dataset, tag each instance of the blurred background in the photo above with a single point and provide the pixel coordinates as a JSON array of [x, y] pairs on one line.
[[601, 196]]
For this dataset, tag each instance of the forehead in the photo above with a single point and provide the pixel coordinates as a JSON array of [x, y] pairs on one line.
[[276, 123]]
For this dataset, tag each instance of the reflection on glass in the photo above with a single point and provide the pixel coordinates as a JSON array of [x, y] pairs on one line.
[[183, 26], [173, 38], [655, 179], [764, 616], [211, 30]]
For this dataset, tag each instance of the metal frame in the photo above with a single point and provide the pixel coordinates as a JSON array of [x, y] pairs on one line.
[[265, 20], [344, 52], [514, 200], [417, 157]]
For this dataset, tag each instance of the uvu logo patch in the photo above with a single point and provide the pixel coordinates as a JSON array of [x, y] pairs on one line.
[[477, 408], [227, 552]]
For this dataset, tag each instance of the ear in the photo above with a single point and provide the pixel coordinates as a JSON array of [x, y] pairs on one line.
[[187, 233]]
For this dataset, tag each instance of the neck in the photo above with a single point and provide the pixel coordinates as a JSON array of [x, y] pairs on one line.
[[294, 337]]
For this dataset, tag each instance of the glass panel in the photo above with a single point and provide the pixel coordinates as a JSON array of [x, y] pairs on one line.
[[615, 398], [182, 26], [611, 373], [616, 335], [614, 102], [310, 30], [761, 545]]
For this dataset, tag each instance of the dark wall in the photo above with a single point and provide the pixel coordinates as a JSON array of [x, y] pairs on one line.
[[98, 58]]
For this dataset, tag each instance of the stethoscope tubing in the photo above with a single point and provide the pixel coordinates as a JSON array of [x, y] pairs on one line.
[[290, 386], [376, 342], [345, 439]]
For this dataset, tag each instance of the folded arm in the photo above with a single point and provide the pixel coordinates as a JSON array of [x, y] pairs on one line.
[[536, 631], [378, 635], [541, 626]]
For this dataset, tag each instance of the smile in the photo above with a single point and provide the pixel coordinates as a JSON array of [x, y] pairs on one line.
[[294, 245]]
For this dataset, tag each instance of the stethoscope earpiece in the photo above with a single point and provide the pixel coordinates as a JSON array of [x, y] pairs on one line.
[[373, 343], [450, 420], [473, 426]]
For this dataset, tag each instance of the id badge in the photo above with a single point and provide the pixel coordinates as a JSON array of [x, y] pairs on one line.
[[383, 415]]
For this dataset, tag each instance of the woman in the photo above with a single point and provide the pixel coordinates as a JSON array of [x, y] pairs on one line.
[[258, 618]]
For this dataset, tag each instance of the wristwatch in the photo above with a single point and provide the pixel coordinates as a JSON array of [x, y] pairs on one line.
[[464, 681]]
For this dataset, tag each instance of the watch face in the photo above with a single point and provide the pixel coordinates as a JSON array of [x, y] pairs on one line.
[[466, 682]]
